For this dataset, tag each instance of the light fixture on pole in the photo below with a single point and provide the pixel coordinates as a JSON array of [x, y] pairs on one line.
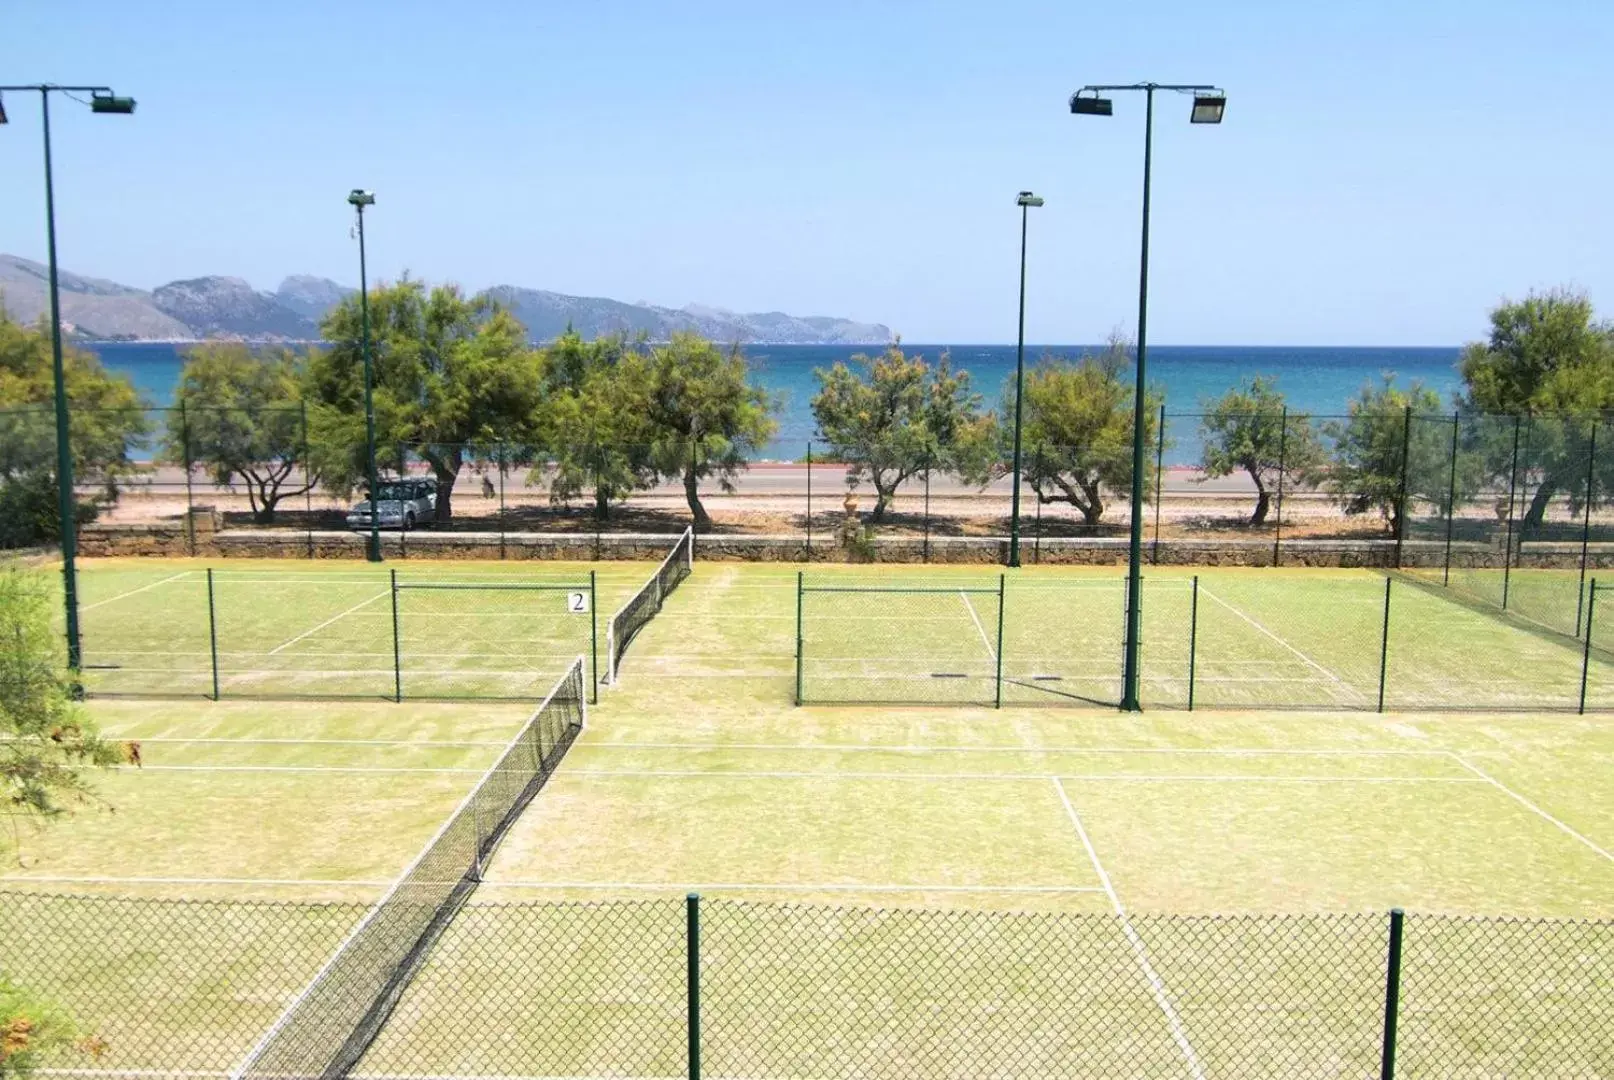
[[1025, 201], [1210, 103], [102, 100], [359, 199]]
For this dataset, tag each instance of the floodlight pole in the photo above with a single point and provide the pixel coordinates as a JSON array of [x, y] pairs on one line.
[[66, 507], [1026, 201], [372, 545], [1131, 676]]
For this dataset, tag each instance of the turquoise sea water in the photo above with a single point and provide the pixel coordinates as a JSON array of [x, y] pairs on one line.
[[1316, 380]]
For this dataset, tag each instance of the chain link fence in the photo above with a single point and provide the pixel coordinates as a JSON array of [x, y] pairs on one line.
[[658, 988]]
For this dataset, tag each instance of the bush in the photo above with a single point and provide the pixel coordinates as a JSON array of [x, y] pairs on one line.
[[28, 516]]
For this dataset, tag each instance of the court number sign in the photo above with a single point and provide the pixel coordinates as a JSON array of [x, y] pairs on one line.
[[577, 603]]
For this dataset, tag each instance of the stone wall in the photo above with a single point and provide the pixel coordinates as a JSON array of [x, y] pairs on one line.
[[200, 540]]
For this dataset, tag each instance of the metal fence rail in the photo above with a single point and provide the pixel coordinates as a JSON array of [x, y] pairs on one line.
[[659, 988]]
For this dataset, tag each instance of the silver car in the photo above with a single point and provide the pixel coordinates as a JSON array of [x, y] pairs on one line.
[[404, 504]]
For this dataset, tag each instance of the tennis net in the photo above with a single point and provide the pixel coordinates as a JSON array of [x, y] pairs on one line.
[[327, 1029], [643, 606]]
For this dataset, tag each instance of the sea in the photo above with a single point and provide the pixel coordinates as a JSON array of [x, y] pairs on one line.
[[1319, 380]]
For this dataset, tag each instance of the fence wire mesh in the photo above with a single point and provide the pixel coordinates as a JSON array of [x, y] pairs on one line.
[[603, 989]]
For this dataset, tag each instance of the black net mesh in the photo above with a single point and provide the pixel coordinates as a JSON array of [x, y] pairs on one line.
[[644, 605]]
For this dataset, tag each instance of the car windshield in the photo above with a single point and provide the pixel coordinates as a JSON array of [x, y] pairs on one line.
[[394, 491]]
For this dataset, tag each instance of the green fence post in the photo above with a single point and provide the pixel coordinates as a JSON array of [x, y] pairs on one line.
[[1392, 995], [1283, 450], [1193, 639], [1513, 484], [593, 639], [1401, 489], [1159, 472], [809, 502], [692, 979], [1384, 644], [190, 497], [999, 680], [504, 461], [1586, 525], [308, 481], [397, 649], [213, 634], [1036, 546], [1451, 497], [798, 635], [927, 510], [1586, 648]]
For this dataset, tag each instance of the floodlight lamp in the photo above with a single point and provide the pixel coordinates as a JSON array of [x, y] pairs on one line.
[[1208, 107], [1091, 104], [361, 198], [1025, 198], [107, 102]]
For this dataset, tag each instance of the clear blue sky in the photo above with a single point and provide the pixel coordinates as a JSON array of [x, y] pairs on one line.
[[1386, 172]]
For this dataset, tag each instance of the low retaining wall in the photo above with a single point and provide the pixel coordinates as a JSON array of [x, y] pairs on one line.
[[176, 540]]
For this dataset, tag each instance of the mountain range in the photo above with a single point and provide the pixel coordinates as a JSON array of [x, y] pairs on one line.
[[230, 308]]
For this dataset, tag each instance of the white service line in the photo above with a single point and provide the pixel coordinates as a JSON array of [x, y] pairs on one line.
[[1308, 660], [305, 742], [1156, 985], [332, 619], [794, 886], [305, 769], [921, 748], [990, 651], [132, 592], [1527, 804]]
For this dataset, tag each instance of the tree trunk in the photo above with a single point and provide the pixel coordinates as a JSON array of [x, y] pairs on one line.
[[602, 504], [703, 520], [882, 502], [1538, 505], [1263, 503], [1094, 510], [446, 469]]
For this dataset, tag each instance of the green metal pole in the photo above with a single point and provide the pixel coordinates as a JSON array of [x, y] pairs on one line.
[[799, 593], [1019, 393], [397, 648], [212, 633], [1392, 994], [1384, 644], [1513, 485], [593, 638], [809, 500], [1586, 647], [926, 555], [1283, 450], [1586, 526], [1193, 639], [1130, 675], [999, 701], [1451, 497], [1401, 491], [692, 979], [190, 497], [66, 506], [1159, 476], [372, 550]]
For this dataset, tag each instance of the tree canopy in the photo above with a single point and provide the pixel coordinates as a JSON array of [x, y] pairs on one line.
[[893, 415], [1373, 451], [1249, 430]]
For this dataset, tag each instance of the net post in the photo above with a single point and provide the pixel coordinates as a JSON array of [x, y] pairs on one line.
[[692, 980], [1392, 995], [1586, 647], [799, 597], [397, 648], [1159, 474], [213, 634], [1451, 496], [1193, 639], [1384, 643], [999, 658], [1586, 524], [1283, 450], [1513, 484], [809, 502], [593, 639], [1401, 489]]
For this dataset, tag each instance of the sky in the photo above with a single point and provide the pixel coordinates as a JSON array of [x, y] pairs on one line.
[[1386, 173]]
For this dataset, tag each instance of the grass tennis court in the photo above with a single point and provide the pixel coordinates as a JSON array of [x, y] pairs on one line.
[[961, 875]]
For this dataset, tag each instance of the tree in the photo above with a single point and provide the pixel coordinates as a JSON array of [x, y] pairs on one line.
[[107, 419], [46, 739], [1373, 455], [1248, 430], [892, 416], [705, 415], [591, 423], [1077, 430], [32, 1029], [450, 373], [240, 416]]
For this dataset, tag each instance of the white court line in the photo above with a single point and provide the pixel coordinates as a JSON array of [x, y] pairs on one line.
[[922, 748], [1527, 804], [61, 879], [990, 651], [1309, 661], [1156, 985], [131, 592], [304, 769], [306, 742], [1151, 778], [763, 886], [332, 619]]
